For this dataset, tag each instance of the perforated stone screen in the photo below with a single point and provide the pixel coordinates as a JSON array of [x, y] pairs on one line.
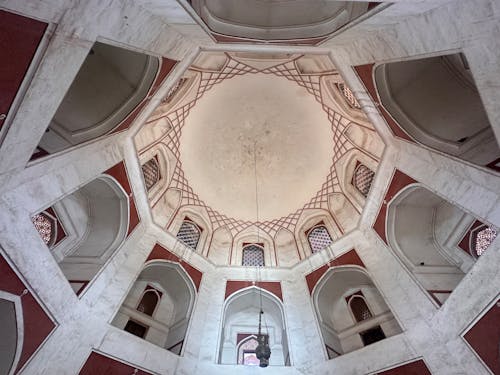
[[319, 238], [362, 179], [253, 255], [349, 96], [189, 234], [151, 172], [359, 309], [483, 239], [44, 226]]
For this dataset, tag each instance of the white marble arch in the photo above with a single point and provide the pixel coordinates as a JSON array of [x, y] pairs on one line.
[[308, 219], [169, 324], [424, 230], [96, 219], [253, 234], [345, 167], [109, 85], [435, 100], [199, 216], [12, 328], [337, 324], [240, 314], [277, 20], [165, 160]]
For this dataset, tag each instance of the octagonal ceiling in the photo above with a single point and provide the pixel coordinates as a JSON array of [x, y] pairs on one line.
[[284, 128]]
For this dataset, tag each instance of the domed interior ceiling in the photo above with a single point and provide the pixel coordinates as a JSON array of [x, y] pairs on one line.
[[282, 127]]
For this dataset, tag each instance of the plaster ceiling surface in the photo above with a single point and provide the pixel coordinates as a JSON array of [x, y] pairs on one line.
[[279, 117], [256, 123]]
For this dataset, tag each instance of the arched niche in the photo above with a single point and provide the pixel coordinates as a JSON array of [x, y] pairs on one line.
[[95, 218], [168, 324], [424, 230], [198, 215], [166, 206], [240, 318], [332, 298], [270, 20], [255, 235], [286, 248], [220, 246], [12, 328], [111, 83], [309, 219], [436, 101]]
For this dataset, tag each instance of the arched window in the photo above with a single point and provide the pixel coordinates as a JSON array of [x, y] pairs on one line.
[[246, 352], [253, 255], [151, 172], [481, 239], [318, 237], [189, 233], [359, 308], [348, 95], [45, 227], [362, 178], [149, 301]]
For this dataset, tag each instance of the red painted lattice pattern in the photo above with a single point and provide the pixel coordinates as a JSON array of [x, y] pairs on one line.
[[311, 82]]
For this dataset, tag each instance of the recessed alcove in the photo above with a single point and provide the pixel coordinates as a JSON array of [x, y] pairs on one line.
[[9, 343], [351, 311], [111, 83], [436, 101], [159, 305], [424, 231], [240, 320], [95, 220]]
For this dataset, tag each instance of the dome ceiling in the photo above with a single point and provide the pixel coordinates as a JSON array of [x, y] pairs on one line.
[[291, 135], [296, 113]]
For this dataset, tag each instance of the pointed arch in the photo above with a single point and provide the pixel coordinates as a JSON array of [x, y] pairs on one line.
[[167, 325], [429, 250], [12, 328], [240, 315], [340, 327]]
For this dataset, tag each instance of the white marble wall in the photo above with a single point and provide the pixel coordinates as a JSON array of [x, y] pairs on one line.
[[84, 323]]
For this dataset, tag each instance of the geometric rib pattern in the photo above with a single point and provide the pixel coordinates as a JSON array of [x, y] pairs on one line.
[[151, 172], [253, 256], [362, 179], [483, 240], [319, 238], [288, 70], [44, 226], [189, 234]]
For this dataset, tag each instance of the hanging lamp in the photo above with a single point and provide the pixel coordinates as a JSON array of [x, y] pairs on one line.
[[262, 351]]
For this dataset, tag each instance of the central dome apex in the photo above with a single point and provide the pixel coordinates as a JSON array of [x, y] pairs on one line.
[[263, 121]]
